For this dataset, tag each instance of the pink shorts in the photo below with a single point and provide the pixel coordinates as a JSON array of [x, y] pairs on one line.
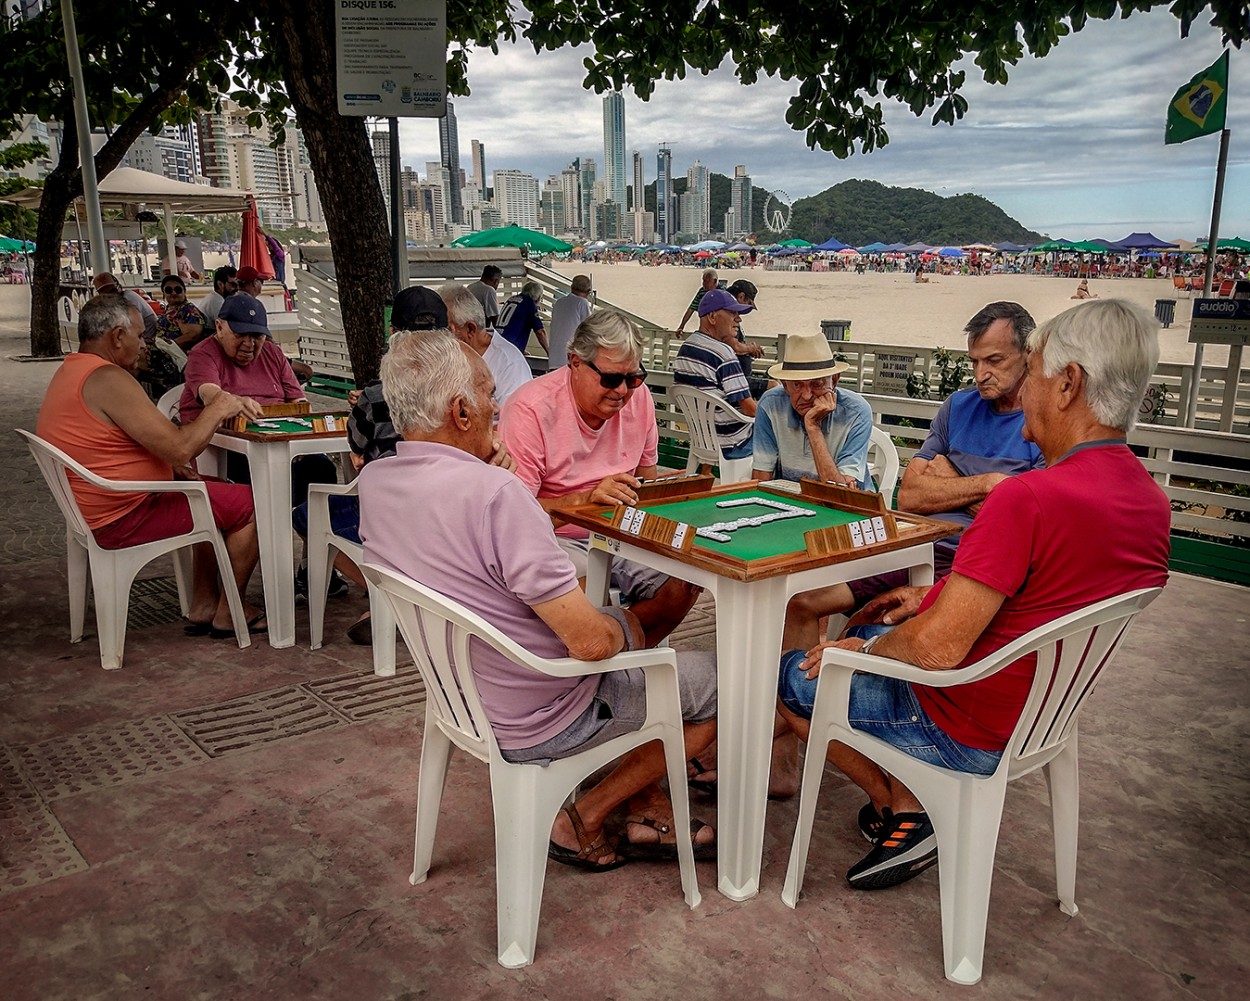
[[162, 516]]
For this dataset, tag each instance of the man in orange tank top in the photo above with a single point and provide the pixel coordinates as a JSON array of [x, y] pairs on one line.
[[97, 413]]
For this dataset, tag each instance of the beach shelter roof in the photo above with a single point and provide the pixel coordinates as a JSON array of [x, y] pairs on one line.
[[513, 236], [740, 245], [1052, 246], [127, 186], [1089, 247], [831, 245], [914, 248], [1007, 247], [1144, 241], [706, 245], [794, 243], [874, 248]]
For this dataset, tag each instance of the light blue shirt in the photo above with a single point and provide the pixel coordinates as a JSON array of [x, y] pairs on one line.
[[783, 451]]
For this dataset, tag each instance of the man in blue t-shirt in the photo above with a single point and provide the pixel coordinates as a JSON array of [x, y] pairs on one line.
[[974, 443], [519, 317]]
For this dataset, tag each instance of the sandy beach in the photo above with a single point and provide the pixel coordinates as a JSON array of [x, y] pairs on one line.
[[883, 308]]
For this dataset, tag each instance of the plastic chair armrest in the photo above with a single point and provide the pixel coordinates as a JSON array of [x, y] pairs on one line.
[[847, 660], [334, 489], [571, 667]]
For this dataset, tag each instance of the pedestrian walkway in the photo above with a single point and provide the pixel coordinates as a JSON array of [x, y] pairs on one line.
[[209, 822]]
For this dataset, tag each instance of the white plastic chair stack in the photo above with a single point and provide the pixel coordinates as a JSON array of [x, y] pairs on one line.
[[700, 409], [525, 797], [965, 810], [112, 571], [321, 538]]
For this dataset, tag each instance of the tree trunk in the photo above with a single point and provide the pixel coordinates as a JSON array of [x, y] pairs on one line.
[[342, 161], [58, 195]]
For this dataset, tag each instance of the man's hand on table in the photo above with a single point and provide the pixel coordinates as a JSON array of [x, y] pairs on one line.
[[617, 489]]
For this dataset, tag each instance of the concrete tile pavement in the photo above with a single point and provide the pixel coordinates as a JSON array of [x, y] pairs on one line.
[[139, 857]]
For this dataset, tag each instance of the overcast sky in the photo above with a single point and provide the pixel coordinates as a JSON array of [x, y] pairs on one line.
[[1072, 146]]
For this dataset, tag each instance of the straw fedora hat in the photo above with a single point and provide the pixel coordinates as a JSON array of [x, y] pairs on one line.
[[808, 356]]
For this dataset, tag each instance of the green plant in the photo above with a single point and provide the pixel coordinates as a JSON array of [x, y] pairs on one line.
[[953, 371]]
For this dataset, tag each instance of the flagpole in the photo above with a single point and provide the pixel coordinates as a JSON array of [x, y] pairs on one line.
[[1213, 236]]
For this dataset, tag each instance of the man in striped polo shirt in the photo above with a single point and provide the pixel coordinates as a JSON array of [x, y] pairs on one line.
[[707, 361]]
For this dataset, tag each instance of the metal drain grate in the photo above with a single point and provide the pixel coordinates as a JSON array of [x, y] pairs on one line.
[[154, 602], [255, 720], [34, 848], [362, 697], [107, 757]]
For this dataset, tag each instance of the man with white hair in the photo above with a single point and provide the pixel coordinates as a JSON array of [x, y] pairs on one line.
[[709, 283], [586, 433], [1090, 526], [467, 321], [498, 557], [567, 315]]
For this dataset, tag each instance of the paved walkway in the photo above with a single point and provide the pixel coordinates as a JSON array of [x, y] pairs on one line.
[[214, 823]]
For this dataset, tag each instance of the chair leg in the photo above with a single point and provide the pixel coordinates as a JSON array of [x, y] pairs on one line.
[[435, 756], [77, 575], [966, 820], [233, 598], [1062, 777], [319, 566], [809, 791], [182, 577], [382, 620], [111, 577], [679, 794]]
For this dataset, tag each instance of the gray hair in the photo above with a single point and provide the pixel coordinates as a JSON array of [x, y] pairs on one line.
[[580, 283], [606, 330], [1115, 342], [462, 305], [423, 371], [101, 314], [533, 290], [1022, 322], [710, 274]]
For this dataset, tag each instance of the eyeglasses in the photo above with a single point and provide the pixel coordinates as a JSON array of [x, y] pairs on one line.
[[174, 290], [611, 380]]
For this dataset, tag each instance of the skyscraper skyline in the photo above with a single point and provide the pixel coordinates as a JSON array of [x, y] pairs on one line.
[[664, 193], [478, 155], [449, 156], [614, 147]]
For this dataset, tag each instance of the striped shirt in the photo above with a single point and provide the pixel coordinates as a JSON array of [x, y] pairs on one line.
[[711, 365]]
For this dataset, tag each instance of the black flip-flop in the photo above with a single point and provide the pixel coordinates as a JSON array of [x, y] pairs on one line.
[[198, 628], [253, 627], [664, 851], [705, 786]]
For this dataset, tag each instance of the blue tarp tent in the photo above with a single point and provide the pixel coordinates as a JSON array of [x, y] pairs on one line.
[[832, 245]]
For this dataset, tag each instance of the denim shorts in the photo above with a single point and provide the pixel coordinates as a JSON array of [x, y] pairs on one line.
[[344, 518], [743, 450], [887, 708]]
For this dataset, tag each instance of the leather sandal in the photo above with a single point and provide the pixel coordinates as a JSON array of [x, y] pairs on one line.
[[591, 850]]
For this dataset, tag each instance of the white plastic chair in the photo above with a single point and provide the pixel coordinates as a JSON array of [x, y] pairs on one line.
[[321, 538], [965, 810], [168, 404], [883, 463], [113, 570], [525, 797], [700, 408]]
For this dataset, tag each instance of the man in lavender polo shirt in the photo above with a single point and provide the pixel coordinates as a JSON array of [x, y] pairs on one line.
[[497, 555]]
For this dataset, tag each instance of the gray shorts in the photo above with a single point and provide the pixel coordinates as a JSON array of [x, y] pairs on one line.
[[620, 706], [634, 581]]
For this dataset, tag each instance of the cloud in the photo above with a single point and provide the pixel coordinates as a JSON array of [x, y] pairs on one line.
[[1072, 145]]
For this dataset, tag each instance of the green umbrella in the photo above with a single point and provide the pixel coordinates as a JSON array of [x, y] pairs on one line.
[[9, 245], [1087, 247], [794, 243], [514, 236], [1052, 246], [1232, 243]]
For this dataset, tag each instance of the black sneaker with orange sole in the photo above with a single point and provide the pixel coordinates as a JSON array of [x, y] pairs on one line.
[[907, 848]]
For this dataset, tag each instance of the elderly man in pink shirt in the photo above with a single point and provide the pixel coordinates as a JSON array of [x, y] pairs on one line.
[[497, 556], [586, 433]]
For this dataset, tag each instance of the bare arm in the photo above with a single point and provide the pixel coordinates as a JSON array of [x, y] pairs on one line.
[[930, 486], [826, 466], [747, 406], [115, 396], [685, 319], [620, 488], [541, 334], [585, 630], [189, 334]]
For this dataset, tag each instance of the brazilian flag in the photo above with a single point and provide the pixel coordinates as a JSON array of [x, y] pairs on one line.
[[1198, 108]]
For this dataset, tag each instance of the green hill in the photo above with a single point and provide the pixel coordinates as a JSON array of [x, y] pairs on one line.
[[862, 212]]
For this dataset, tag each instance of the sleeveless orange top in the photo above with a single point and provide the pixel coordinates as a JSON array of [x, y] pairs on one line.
[[108, 451]]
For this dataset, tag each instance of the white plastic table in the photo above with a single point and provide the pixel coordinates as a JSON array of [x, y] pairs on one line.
[[749, 618], [270, 463]]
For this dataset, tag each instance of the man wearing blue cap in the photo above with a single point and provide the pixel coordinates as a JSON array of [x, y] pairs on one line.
[[707, 361]]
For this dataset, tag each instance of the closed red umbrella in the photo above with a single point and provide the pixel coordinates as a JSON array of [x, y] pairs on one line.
[[252, 249]]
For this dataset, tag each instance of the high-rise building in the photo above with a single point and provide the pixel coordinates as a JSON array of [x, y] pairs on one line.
[[234, 155], [740, 202], [570, 183], [516, 198], [586, 189], [664, 201], [478, 153], [696, 203], [449, 155], [614, 147], [553, 206], [639, 202], [381, 141]]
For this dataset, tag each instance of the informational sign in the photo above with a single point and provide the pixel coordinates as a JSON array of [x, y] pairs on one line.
[[891, 372], [1220, 321], [392, 58]]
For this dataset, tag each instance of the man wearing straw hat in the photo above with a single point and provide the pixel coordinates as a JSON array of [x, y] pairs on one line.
[[807, 426]]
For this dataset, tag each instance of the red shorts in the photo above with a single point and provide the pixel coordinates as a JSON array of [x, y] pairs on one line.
[[162, 516]]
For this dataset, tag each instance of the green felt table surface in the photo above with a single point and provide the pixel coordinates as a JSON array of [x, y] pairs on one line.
[[751, 542], [288, 425]]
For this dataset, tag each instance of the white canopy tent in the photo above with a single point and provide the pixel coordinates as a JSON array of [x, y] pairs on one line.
[[127, 186]]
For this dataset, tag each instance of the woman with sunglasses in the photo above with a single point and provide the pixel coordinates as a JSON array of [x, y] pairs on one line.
[[182, 323]]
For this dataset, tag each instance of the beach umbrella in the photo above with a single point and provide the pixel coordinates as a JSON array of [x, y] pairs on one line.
[[739, 246], [875, 248], [848, 252], [950, 252], [914, 248], [253, 251], [1232, 243], [9, 245], [980, 248], [1052, 247], [832, 245], [703, 255], [1088, 247], [514, 236], [795, 243]]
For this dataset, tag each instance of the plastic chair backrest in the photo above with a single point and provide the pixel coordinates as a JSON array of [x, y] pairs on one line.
[[1071, 654], [67, 311], [55, 466], [1180, 282], [438, 632], [1226, 288], [168, 403], [884, 463], [700, 409]]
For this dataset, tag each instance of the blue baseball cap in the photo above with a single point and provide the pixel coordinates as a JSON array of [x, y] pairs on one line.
[[245, 314], [718, 298]]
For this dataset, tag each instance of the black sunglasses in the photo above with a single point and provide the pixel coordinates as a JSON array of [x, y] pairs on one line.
[[172, 289], [610, 380]]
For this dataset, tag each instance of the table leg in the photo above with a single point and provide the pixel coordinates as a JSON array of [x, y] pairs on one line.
[[598, 576], [271, 490], [748, 643], [922, 573]]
